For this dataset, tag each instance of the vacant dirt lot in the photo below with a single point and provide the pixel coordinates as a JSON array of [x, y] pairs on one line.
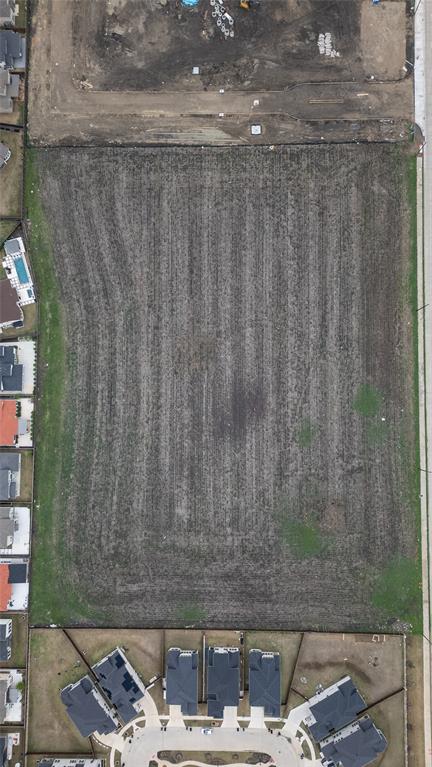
[[237, 445], [130, 45], [122, 72]]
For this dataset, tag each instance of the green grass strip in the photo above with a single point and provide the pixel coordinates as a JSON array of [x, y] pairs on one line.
[[52, 598]]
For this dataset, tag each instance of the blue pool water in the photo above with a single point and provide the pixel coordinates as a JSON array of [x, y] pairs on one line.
[[190, 3], [21, 270]]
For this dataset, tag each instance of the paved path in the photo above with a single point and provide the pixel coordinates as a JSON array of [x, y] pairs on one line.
[[423, 114]]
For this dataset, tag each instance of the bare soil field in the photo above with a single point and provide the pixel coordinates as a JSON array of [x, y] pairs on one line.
[[156, 72], [130, 45], [236, 439]]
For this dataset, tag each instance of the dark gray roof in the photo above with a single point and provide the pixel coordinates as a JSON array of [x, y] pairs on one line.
[[7, 11], [355, 746], [3, 751], [5, 153], [182, 679], [18, 573], [223, 679], [118, 684], [334, 711], [5, 641], [9, 462], [10, 373], [265, 681], [4, 685], [12, 49], [85, 710]]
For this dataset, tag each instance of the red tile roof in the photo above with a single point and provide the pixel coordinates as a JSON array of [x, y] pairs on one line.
[[5, 587], [8, 422]]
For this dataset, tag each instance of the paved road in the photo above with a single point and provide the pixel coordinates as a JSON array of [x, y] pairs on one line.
[[287, 746], [147, 741], [423, 114]]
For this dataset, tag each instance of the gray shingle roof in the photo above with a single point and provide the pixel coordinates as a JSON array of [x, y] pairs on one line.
[[182, 679], [10, 372], [9, 462], [118, 684], [3, 751], [334, 710], [223, 679], [4, 684], [265, 681], [5, 640], [85, 710], [355, 746], [7, 12], [12, 49]]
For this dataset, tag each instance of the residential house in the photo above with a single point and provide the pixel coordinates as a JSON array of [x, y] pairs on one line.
[[223, 679], [357, 745], [14, 530], [120, 683], [11, 696], [265, 681], [182, 679], [9, 10], [11, 373], [11, 314], [14, 587], [3, 750], [16, 422], [9, 89], [5, 639], [12, 50], [17, 366], [5, 154], [79, 762], [10, 475], [333, 708], [87, 709], [17, 270]]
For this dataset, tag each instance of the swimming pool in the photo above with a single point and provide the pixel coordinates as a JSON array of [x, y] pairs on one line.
[[21, 270]]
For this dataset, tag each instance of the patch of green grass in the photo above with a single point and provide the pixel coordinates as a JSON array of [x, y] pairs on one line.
[[303, 539], [191, 614], [52, 600], [306, 433], [368, 401], [397, 592]]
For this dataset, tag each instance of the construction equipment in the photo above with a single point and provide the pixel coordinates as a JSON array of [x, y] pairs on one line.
[[248, 4]]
